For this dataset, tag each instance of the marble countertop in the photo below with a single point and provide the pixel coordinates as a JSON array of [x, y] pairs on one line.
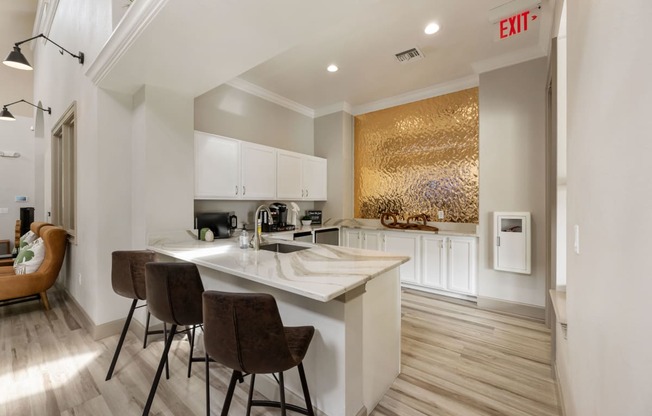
[[383, 228], [321, 272]]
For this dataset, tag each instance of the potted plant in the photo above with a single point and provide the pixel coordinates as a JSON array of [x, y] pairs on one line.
[[306, 220]]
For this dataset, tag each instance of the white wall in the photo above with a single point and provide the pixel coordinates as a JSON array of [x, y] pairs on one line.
[[609, 198], [17, 173], [512, 173]]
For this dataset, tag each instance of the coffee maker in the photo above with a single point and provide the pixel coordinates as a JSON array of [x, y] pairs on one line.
[[279, 220]]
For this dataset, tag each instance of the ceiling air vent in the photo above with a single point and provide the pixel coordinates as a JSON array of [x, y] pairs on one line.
[[413, 54]]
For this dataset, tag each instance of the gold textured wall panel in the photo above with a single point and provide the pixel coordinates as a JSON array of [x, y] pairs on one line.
[[418, 158]]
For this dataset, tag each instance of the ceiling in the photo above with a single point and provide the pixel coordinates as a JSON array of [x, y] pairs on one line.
[[282, 48]]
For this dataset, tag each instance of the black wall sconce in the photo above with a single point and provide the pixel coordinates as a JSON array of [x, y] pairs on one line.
[[17, 60], [7, 116]]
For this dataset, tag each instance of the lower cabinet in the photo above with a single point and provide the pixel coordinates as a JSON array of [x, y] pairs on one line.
[[449, 263], [437, 262]]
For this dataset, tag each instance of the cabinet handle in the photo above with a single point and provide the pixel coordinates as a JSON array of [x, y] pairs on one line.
[[244, 190], [236, 189], [450, 244], [498, 241], [302, 193], [306, 193]]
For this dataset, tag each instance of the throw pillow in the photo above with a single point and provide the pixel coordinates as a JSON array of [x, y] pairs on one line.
[[27, 238], [31, 256]]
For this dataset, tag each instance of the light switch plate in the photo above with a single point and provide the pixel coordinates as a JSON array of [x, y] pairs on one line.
[[440, 215], [576, 242], [4, 210]]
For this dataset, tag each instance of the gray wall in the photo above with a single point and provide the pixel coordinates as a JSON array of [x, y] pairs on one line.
[[230, 112], [512, 173], [334, 141]]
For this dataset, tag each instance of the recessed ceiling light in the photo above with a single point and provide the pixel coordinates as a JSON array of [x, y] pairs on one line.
[[332, 68], [431, 28]]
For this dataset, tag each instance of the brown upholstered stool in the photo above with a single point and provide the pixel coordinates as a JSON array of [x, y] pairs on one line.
[[128, 280], [174, 295], [244, 332]]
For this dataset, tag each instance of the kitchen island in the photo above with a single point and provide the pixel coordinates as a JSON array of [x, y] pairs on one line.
[[350, 296]]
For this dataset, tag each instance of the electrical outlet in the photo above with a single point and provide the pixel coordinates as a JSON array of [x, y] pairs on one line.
[[440, 215]]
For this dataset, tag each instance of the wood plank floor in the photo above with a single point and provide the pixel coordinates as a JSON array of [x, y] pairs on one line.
[[457, 360]]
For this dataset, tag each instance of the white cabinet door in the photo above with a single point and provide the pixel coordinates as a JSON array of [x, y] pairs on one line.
[[462, 265], [406, 245], [314, 176], [258, 171], [372, 240], [217, 167], [434, 261], [289, 171], [351, 238]]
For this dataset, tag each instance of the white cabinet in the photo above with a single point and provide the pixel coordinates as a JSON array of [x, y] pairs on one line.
[[258, 171], [462, 266], [301, 177], [434, 261], [314, 175], [351, 237], [217, 167], [512, 245], [445, 264], [449, 263], [407, 244]]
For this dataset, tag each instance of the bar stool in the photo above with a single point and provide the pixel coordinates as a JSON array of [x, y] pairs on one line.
[[244, 332], [128, 280], [174, 295]]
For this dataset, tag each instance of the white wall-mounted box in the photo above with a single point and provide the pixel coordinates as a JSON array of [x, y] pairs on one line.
[[512, 242]]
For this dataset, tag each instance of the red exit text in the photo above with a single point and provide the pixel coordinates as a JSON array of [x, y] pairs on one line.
[[516, 24]]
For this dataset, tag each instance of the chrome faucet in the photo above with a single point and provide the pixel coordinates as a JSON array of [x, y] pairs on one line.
[[257, 239]]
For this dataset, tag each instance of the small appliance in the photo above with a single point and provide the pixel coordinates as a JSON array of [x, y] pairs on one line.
[[279, 220], [220, 223]]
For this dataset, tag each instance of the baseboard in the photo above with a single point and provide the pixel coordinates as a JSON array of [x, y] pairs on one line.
[[104, 330], [512, 308], [560, 392]]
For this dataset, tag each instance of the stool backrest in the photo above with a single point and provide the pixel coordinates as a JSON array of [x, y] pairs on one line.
[[128, 272], [244, 332], [174, 292]]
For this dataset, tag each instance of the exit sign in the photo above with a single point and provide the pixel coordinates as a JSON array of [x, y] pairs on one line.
[[513, 25]]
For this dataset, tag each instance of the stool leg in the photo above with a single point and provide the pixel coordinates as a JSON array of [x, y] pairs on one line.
[[306, 393], [208, 390], [192, 345], [122, 339], [251, 393], [165, 337], [146, 331], [159, 370], [229, 393], [282, 392]]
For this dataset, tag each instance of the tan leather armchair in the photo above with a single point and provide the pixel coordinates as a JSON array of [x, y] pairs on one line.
[[14, 286]]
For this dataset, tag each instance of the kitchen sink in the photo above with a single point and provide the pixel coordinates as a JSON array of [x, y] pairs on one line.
[[282, 248]]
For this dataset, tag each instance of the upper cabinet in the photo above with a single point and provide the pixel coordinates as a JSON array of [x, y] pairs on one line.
[[217, 167], [300, 177], [258, 171], [227, 168]]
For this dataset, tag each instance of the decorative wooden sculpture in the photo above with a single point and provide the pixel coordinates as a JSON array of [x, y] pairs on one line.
[[415, 222]]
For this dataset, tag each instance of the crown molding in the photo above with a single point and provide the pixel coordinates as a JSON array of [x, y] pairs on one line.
[[334, 108], [508, 59], [416, 95], [134, 22], [270, 96]]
